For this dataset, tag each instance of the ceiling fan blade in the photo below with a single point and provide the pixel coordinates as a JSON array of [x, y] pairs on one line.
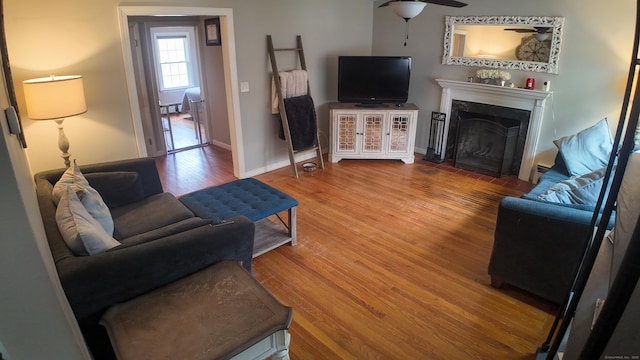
[[451, 3], [522, 30], [542, 29]]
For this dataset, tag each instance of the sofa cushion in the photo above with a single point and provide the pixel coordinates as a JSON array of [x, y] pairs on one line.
[[117, 188], [149, 214], [581, 190], [546, 182], [171, 229], [587, 150], [82, 233], [90, 198]]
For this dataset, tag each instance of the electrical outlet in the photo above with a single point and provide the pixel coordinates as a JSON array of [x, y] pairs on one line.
[[244, 87]]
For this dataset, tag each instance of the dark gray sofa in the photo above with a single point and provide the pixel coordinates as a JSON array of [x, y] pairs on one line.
[[538, 244], [161, 240]]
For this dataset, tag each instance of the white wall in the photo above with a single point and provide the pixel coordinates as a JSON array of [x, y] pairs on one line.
[[82, 37], [594, 60], [216, 104]]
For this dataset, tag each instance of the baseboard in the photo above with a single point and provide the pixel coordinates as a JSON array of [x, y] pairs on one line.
[[221, 144], [420, 150], [310, 154]]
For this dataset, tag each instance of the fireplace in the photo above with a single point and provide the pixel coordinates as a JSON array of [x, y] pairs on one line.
[[486, 146], [524, 103], [487, 139]]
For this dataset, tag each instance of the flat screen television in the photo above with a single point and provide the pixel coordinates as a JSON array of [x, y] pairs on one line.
[[373, 80]]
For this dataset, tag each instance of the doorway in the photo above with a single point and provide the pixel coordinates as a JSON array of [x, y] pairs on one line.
[[229, 69], [176, 74]]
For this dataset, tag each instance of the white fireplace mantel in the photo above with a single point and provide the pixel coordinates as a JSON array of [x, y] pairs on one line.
[[531, 100]]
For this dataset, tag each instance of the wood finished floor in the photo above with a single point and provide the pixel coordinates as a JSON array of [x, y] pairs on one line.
[[391, 261], [184, 130]]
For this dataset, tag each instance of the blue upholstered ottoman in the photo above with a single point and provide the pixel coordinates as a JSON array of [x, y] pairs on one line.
[[253, 199]]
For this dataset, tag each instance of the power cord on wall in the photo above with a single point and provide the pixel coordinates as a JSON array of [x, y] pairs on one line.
[[553, 117]]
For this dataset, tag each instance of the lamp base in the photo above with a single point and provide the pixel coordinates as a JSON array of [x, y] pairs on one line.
[[63, 143]]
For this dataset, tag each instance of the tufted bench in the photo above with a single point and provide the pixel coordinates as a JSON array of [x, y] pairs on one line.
[[253, 199]]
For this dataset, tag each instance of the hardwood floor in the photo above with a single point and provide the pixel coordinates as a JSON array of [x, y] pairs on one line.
[[190, 170], [183, 129], [391, 261]]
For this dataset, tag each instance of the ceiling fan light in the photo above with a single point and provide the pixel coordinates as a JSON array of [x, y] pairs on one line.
[[407, 9], [541, 37]]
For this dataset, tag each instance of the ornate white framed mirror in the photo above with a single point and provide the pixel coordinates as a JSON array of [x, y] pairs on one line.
[[530, 43]]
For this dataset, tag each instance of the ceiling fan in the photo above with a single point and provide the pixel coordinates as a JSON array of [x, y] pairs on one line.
[[541, 33], [408, 9]]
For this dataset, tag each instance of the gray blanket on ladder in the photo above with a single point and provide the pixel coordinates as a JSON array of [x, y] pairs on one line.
[[303, 124]]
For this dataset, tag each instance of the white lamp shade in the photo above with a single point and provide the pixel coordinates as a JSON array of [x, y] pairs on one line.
[[407, 9], [54, 97]]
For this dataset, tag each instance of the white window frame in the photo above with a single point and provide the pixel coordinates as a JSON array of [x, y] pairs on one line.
[[190, 55]]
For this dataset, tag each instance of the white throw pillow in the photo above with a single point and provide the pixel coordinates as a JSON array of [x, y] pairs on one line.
[[71, 177], [90, 198], [82, 233]]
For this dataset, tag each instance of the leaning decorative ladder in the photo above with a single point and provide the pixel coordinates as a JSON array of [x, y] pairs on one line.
[[281, 108]]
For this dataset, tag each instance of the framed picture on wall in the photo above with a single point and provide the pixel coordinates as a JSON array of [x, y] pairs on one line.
[[212, 31]]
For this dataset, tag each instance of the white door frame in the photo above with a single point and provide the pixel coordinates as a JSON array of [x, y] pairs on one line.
[[229, 63]]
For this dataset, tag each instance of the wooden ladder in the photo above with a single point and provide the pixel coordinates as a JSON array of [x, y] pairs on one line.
[[283, 113]]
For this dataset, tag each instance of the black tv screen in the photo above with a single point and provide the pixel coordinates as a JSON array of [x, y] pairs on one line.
[[373, 79]]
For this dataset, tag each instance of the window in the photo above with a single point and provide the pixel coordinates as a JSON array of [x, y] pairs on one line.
[[172, 53], [175, 57]]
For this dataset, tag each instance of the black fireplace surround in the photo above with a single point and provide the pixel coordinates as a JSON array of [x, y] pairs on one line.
[[487, 139]]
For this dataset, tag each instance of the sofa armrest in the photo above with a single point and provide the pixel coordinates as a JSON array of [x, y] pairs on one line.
[[93, 283], [538, 246]]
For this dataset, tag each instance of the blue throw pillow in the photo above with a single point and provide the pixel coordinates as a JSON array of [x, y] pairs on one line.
[[583, 190], [587, 150]]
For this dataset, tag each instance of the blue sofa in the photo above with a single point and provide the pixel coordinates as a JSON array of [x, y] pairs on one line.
[[538, 244]]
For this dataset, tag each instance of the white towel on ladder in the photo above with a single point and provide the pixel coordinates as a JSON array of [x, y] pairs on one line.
[[292, 83]]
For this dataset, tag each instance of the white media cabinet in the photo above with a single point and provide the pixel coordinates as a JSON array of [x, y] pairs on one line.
[[384, 132]]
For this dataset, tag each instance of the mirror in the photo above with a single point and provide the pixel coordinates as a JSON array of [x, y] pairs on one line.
[[529, 43]]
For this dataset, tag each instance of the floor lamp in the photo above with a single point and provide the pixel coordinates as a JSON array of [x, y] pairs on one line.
[[55, 98]]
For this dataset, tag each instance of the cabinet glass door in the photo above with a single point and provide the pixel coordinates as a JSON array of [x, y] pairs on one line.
[[346, 134], [373, 129], [399, 133]]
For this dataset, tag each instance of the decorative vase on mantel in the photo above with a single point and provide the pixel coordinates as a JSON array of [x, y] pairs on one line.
[[493, 76], [498, 82]]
